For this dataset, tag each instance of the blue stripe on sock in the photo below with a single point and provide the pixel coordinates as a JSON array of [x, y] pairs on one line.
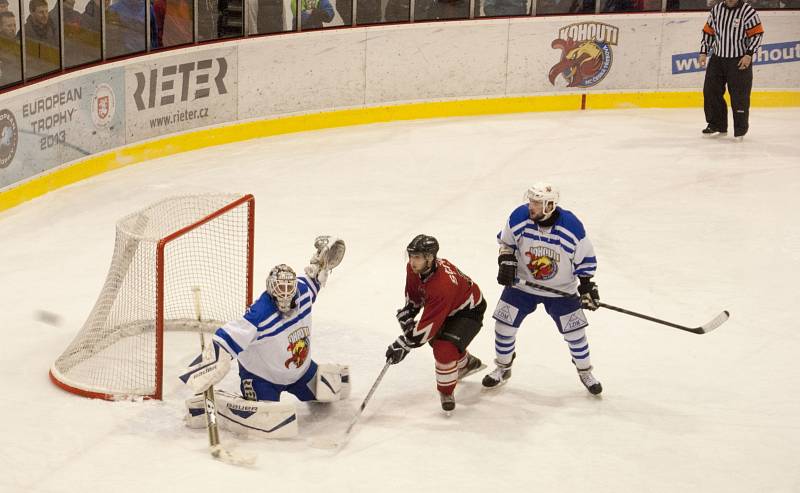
[[579, 349]]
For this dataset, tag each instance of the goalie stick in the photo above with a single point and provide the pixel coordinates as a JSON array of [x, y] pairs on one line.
[[702, 329], [215, 447], [328, 443]]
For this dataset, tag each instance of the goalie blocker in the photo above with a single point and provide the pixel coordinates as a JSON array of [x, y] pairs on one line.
[[267, 418]]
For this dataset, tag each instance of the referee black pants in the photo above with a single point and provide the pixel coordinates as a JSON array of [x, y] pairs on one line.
[[722, 71]]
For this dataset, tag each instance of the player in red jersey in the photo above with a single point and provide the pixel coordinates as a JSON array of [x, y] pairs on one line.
[[452, 314]]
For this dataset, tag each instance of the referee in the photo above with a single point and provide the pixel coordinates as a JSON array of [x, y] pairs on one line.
[[732, 35]]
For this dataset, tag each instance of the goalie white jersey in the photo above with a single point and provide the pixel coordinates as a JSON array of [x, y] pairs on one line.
[[552, 256], [271, 345]]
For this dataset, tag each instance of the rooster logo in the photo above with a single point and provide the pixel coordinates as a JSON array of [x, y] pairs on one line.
[[299, 353], [542, 267], [585, 54], [298, 348]]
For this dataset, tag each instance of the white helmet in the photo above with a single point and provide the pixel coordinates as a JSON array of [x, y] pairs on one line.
[[545, 193], [282, 286]]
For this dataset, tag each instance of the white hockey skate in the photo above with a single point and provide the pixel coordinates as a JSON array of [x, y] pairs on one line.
[[592, 384], [499, 375], [473, 365]]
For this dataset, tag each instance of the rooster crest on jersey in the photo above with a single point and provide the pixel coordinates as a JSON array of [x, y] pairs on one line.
[[299, 347], [543, 263]]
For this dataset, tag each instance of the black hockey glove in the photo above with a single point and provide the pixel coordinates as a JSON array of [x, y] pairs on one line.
[[397, 350], [589, 296], [406, 316], [507, 270]]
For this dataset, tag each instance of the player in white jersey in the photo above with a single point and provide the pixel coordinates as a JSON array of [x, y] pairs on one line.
[[272, 343], [544, 244]]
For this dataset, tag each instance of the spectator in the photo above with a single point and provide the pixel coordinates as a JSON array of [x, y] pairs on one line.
[[81, 43], [8, 24], [10, 53], [42, 53], [71, 16], [314, 13], [125, 28], [90, 19], [4, 7], [39, 27]]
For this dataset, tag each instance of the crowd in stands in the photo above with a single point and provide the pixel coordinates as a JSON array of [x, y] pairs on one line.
[[172, 22]]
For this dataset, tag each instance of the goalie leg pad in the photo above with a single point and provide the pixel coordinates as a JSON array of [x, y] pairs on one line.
[[243, 417], [331, 383]]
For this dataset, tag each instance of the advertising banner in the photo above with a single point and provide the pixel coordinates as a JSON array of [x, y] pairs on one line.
[[774, 65], [580, 53], [173, 93], [60, 122], [98, 123]]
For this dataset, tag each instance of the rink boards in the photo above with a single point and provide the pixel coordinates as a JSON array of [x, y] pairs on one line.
[[79, 125]]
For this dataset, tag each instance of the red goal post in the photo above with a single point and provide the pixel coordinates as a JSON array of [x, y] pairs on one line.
[[161, 255]]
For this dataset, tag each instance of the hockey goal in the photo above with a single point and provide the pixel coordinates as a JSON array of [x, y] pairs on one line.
[[161, 255]]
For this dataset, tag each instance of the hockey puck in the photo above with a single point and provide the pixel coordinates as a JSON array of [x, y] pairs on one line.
[[48, 318]]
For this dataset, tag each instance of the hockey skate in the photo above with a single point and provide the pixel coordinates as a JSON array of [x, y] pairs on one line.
[[473, 365], [448, 402], [712, 131], [588, 381], [499, 375]]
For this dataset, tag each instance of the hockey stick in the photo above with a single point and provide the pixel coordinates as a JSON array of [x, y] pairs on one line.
[[338, 444], [215, 447], [703, 329]]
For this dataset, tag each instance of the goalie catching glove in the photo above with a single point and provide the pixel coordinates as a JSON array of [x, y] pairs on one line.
[[204, 373], [329, 254]]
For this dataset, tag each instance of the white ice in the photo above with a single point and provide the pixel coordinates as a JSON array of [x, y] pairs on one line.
[[683, 227]]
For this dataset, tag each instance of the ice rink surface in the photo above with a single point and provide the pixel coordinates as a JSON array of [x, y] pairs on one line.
[[683, 227]]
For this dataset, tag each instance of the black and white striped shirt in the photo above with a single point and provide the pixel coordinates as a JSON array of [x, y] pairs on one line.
[[732, 33]]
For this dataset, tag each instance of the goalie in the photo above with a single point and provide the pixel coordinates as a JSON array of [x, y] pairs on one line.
[[272, 343]]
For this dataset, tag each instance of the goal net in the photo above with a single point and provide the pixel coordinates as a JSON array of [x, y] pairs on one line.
[[161, 255]]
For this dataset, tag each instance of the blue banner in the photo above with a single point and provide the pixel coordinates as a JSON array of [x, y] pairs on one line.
[[686, 63]]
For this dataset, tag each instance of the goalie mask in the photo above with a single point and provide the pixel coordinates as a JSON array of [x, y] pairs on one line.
[[282, 286], [545, 194]]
